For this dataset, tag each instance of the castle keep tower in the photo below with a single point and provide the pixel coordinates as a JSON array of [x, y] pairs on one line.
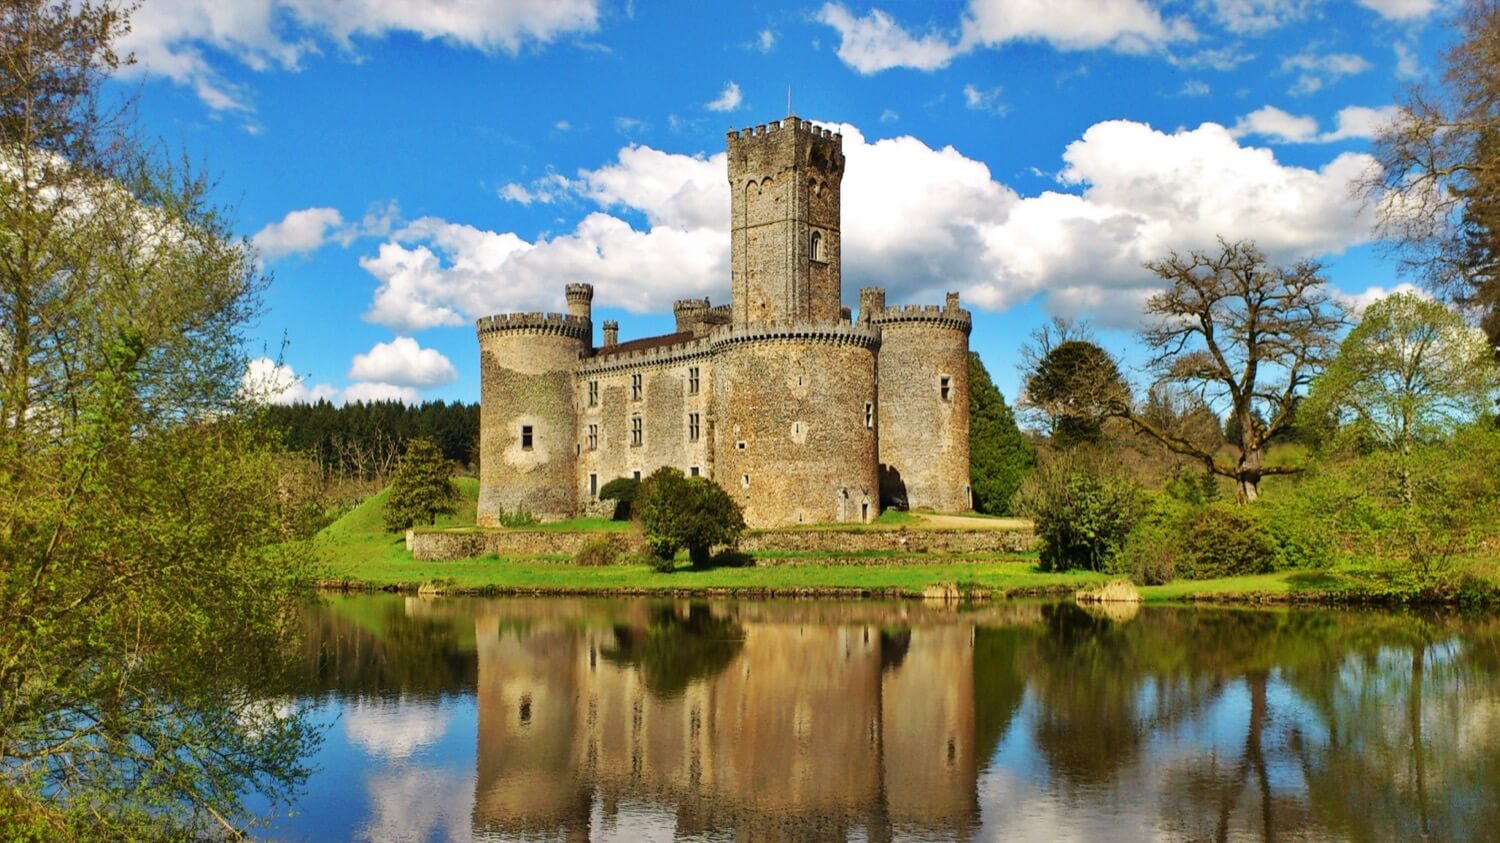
[[784, 222]]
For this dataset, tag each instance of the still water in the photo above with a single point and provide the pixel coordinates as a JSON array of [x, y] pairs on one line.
[[542, 719]]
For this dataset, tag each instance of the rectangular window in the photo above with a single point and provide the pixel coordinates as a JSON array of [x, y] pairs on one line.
[[945, 386], [693, 427], [593, 393], [635, 475], [593, 437], [635, 387], [637, 432], [593, 487], [693, 380], [525, 437], [870, 416], [693, 471]]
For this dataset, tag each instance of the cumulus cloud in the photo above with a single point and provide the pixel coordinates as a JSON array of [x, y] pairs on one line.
[[1355, 121], [917, 220], [1255, 16], [877, 42], [1401, 9], [173, 38], [403, 362], [299, 232], [1357, 302], [266, 381], [727, 101], [368, 392]]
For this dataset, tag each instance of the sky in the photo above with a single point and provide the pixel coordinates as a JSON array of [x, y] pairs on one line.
[[404, 167]]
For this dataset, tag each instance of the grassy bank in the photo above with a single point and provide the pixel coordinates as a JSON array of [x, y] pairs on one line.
[[357, 553]]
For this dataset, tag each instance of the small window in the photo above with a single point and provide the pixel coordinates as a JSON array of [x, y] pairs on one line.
[[869, 415], [745, 480], [637, 431], [693, 382], [635, 387], [593, 437], [693, 427], [594, 486], [740, 445], [815, 247], [635, 475], [526, 437], [945, 387], [593, 393], [693, 471]]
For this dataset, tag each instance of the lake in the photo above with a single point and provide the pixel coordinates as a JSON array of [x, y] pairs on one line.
[[594, 719]]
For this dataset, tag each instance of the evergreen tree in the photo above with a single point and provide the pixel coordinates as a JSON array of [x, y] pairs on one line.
[[692, 512], [999, 456], [422, 488]]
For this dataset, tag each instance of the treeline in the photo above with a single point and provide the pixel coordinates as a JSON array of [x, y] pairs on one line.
[[363, 440]]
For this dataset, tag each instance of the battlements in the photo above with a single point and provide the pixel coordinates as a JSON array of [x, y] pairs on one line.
[[949, 317], [609, 361], [560, 324], [834, 333], [791, 123]]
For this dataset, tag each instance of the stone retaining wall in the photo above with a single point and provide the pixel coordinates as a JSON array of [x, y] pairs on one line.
[[904, 541], [441, 546]]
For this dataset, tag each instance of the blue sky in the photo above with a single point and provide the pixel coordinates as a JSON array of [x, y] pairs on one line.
[[405, 166]]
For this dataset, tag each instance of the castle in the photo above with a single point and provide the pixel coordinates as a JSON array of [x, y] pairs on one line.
[[801, 412]]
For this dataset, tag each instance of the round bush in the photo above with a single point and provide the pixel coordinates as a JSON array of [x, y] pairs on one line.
[[1226, 540], [1083, 509]]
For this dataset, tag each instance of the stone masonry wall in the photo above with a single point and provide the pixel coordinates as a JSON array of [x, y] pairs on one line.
[[924, 437], [444, 546], [904, 541]]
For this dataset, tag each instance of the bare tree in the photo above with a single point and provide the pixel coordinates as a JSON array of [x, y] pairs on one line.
[[1246, 337], [1436, 191]]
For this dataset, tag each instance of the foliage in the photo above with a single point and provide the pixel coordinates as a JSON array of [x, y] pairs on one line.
[[149, 575], [677, 647], [999, 456], [1072, 384], [623, 491], [1436, 189], [1083, 509], [422, 488], [1412, 370], [678, 512], [1151, 552], [1226, 326], [1224, 540], [363, 440], [600, 550], [516, 519]]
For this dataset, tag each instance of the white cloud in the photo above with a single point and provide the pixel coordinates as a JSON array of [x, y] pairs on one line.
[[876, 42], [267, 382], [1407, 64], [765, 40], [1255, 16], [889, 115], [393, 730], [987, 99], [369, 392], [1401, 9], [1276, 125], [403, 362], [1194, 88], [1355, 121], [1216, 58], [727, 101], [173, 38], [300, 232], [1318, 70], [1357, 302], [917, 220]]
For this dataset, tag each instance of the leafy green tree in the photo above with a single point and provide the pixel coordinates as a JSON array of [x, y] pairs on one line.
[[422, 488], [678, 512], [149, 584], [999, 455], [1412, 370], [1072, 384], [623, 491], [1083, 507]]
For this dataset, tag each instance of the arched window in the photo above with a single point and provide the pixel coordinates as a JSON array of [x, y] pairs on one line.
[[816, 247]]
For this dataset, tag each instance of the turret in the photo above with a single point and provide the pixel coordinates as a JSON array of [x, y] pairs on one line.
[[580, 300], [611, 333], [691, 315], [871, 303]]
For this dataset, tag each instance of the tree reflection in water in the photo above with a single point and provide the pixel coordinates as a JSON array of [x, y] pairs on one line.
[[826, 721]]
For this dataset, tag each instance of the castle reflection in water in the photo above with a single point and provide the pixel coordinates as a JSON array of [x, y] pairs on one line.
[[803, 727]]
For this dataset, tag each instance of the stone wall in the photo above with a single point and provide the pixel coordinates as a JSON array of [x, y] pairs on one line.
[[902, 541], [924, 435], [439, 546], [791, 440]]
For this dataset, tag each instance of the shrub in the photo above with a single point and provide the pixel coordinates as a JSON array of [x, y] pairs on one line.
[[1083, 508], [600, 550], [1226, 540], [623, 491], [1152, 550], [678, 512], [515, 518]]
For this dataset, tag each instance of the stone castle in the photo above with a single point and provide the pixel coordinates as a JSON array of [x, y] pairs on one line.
[[803, 413]]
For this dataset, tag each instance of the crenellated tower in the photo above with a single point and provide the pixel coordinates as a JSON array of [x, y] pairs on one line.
[[784, 181]]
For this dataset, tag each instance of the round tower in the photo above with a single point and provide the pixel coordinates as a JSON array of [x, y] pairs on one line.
[[795, 422], [527, 423], [924, 405]]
